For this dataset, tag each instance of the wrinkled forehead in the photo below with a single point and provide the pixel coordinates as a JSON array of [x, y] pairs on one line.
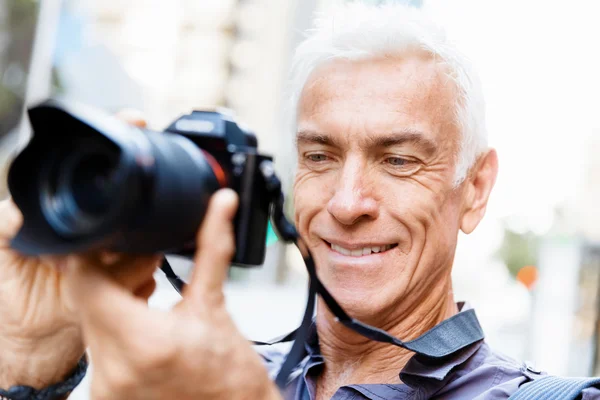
[[380, 95]]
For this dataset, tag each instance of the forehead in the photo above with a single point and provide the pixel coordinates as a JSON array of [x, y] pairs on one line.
[[380, 95]]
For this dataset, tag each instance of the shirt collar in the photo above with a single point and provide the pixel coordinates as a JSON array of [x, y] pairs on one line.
[[419, 369]]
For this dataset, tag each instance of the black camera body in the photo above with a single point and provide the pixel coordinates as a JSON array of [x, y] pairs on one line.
[[235, 152], [88, 181]]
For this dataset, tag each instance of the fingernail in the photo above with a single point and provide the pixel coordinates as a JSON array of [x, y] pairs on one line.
[[228, 196], [226, 193]]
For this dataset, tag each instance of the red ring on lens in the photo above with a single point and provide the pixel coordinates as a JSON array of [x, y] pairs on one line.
[[216, 168]]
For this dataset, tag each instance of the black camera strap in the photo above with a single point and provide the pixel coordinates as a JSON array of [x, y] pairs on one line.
[[172, 277]]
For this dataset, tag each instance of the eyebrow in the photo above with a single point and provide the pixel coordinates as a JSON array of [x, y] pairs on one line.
[[404, 136], [309, 136], [395, 138]]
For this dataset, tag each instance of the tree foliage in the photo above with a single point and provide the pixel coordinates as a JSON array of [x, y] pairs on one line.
[[519, 250]]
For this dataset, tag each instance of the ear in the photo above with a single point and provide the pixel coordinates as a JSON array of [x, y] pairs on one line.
[[479, 184]]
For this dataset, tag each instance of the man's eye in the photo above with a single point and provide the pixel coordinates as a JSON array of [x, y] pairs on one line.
[[397, 161], [317, 157]]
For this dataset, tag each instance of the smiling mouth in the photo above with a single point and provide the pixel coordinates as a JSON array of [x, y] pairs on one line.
[[360, 252]]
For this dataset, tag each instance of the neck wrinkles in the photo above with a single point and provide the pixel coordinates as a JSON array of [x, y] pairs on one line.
[[354, 359]]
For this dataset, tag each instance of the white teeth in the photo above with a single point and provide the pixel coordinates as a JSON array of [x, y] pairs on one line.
[[360, 252], [340, 249]]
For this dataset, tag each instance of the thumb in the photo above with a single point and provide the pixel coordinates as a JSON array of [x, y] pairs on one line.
[[215, 248]]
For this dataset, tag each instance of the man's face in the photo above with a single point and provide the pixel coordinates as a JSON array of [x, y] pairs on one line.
[[374, 194]]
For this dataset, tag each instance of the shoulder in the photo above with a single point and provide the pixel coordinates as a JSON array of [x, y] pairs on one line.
[[489, 375], [591, 394]]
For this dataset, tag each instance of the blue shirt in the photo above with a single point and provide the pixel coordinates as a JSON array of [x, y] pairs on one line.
[[475, 372]]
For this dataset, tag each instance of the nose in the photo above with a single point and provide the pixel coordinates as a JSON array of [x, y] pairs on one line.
[[352, 200]]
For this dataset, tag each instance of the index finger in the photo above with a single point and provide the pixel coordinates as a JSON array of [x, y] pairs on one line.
[[112, 319], [102, 302]]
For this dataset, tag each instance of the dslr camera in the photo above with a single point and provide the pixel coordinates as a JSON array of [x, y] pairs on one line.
[[89, 181]]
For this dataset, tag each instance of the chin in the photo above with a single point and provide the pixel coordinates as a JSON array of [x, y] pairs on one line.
[[363, 299], [366, 286]]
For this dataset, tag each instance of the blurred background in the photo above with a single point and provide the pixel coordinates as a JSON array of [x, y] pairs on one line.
[[532, 269]]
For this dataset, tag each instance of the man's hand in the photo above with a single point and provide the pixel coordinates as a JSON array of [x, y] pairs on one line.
[[193, 352], [40, 338]]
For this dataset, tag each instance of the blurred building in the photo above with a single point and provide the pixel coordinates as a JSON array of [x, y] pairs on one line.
[[587, 214], [565, 309], [167, 58], [18, 20], [181, 55]]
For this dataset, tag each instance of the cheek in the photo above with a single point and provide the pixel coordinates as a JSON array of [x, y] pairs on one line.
[[449, 220], [411, 202], [425, 211], [311, 195], [434, 222]]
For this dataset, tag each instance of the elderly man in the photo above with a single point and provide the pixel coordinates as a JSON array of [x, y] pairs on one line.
[[392, 163]]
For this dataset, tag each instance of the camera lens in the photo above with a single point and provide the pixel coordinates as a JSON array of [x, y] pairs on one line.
[[80, 189], [92, 183]]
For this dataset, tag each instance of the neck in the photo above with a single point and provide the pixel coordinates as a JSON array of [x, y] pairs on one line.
[[351, 358]]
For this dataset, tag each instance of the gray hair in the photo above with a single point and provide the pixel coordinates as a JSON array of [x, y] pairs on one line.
[[355, 31]]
